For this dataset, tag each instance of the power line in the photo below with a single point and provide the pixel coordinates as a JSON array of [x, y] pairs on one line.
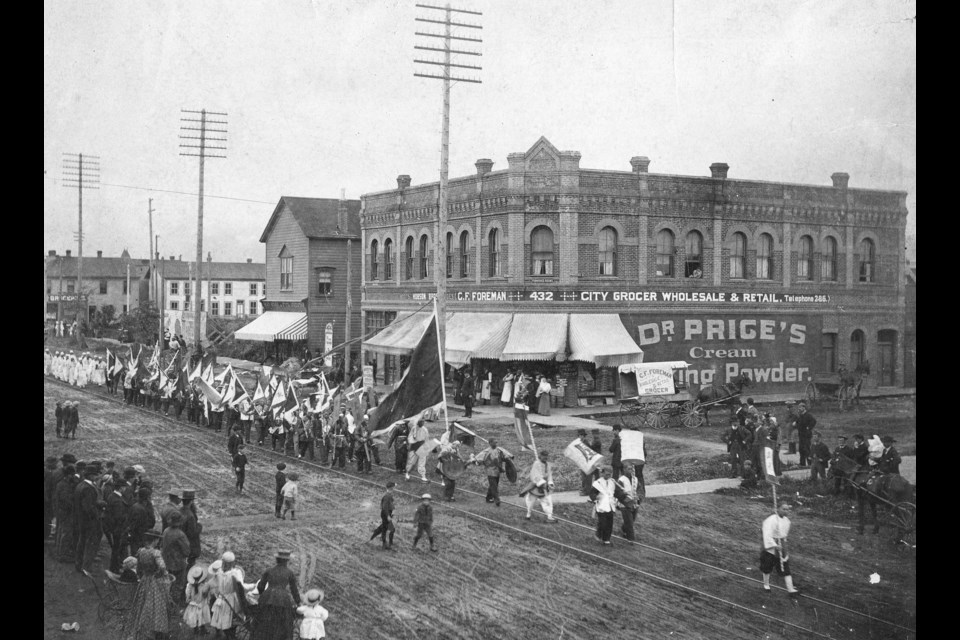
[[183, 193]]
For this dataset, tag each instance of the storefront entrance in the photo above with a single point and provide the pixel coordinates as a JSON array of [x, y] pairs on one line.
[[887, 350]]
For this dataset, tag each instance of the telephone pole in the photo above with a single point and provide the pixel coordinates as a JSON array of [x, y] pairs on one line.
[[82, 172], [153, 266], [200, 147], [440, 248], [345, 222]]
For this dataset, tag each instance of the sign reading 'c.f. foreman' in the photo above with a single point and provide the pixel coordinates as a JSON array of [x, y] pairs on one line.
[[777, 352]]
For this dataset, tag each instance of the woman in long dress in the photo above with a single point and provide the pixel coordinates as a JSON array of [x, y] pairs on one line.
[[543, 393], [279, 596], [228, 584], [153, 605], [506, 396]]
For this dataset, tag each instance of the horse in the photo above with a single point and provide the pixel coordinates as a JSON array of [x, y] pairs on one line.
[[891, 490], [851, 382], [726, 394]]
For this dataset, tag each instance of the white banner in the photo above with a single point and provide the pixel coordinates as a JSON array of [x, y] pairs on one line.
[[583, 456], [631, 446], [769, 470]]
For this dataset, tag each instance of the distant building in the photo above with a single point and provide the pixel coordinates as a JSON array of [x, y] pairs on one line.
[[105, 283]]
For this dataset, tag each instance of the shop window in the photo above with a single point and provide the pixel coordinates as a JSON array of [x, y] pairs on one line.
[[805, 259], [693, 260], [607, 252], [829, 351], [493, 246], [867, 260], [765, 257], [324, 282], [374, 266], [409, 258], [738, 255], [665, 251], [424, 255], [828, 260], [388, 259], [464, 254], [541, 251]]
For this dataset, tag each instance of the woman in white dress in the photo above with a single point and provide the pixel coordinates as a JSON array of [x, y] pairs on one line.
[[72, 367], [83, 376], [228, 585], [506, 396]]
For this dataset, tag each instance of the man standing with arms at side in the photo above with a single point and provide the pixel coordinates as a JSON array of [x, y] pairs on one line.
[[615, 453], [115, 524], [774, 554], [191, 527], [281, 479], [88, 508], [805, 423], [819, 458]]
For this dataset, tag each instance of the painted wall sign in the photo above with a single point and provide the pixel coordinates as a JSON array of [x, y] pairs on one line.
[[631, 296], [779, 352]]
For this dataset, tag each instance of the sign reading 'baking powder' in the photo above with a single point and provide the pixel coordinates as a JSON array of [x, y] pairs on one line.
[[632, 296]]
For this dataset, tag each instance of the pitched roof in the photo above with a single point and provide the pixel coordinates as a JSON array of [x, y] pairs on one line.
[[94, 268], [251, 271], [317, 217]]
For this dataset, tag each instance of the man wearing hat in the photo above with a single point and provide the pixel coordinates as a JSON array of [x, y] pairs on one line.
[[58, 412], [49, 475], [844, 450], [191, 527], [889, 461], [63, 507], [386, 518], [172, 505], [423, 518], [142, 519], [804, 423], [175, 548], [819, 458], [88, 507], [281, 479], [115, 523], [279, 596]]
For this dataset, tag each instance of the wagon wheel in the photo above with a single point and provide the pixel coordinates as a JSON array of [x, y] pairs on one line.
[[656, 413], [811, 392], [671, 411], [631, 415], [690, 414], [905, 517]]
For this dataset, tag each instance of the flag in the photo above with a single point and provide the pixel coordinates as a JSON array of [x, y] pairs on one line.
[[276, 403], [383, 436], [290, 406], [182, 385], [421, 385], [198, 371], [208, 374], [583, 456], [631, 446], [174, 363], [267, 371], [522, 426], [769, 470], [258, 394], [210, 393], [224, 375], [461, 434]]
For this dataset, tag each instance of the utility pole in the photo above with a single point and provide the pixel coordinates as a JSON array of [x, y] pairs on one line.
[[162, 294], [198, 145], [342, 211], [82, 175], [440, 249], [153, 266], [128, 287]]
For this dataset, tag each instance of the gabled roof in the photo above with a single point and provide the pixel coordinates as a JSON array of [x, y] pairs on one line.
[[97, 268], [251, 271], [317, 217]]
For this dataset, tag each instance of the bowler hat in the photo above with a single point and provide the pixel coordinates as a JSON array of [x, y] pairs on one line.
[[188, 494], [283, 555], [68, 458], [887, 439]]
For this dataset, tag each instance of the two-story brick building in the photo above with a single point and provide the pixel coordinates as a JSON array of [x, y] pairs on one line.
[[313, 264], [549, 263], [105, 283]]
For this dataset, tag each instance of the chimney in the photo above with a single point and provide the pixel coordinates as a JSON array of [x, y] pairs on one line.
[[172, 258], [483, 165], [52, 252], [179, 258], [209, 257], [341, 212], [249, 260], [99, 253], [403, 181], [68, 253], [840, 180], [719, 170], [640, 164]]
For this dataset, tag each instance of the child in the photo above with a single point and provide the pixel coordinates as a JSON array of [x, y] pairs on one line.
[[289, 493], [311, 627], [197, 614], [240, 466], [423, 518]]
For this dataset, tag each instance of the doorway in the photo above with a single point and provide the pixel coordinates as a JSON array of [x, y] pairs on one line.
[[887, 349]]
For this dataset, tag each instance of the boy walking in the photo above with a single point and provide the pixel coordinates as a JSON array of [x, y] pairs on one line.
[[281, 479], [423, 518], [240, 466], [290, 494], [386, 518]]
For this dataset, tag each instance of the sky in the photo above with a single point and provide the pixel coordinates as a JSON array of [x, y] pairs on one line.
[[321, 97]]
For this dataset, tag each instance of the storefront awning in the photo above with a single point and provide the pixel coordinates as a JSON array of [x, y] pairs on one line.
[[537, 336], [476, 335], [400, 337], [275, 325], [602, 339]]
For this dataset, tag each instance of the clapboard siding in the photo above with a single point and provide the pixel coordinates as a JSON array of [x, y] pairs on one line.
[[287, 232], [332, 254]]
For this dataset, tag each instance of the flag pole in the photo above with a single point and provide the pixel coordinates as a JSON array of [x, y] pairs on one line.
[[533, 443], [443, 382]]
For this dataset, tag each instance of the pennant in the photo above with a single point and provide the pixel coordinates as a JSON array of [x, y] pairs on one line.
[[267, 371], [209, 393], [182, 385], [290, 406], [224, 375], [198, 372], [631, 446], [258, 394], [583, 456], [208, 375], [460, 433], [174, 363], [278, 396], [420, 387]]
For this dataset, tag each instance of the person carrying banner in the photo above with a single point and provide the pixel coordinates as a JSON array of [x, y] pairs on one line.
[[774, 554], [418, 435], [540, 486]]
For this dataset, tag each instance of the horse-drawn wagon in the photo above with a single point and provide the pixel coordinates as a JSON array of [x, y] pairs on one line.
[[841, 385]]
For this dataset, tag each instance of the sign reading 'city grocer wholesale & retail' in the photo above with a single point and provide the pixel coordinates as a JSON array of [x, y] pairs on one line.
[[778, 352], [633, 296]]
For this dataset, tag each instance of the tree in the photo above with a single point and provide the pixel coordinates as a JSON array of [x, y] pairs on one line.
[[141, 323]]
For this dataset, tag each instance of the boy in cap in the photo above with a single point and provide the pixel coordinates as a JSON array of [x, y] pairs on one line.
[[290, 493], [386, 518], [281, 479], [423, 518]]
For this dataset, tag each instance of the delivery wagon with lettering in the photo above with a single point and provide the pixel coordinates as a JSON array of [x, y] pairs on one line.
[[656, 395]]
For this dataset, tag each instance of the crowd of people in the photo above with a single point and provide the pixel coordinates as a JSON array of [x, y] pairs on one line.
[[78, 370]]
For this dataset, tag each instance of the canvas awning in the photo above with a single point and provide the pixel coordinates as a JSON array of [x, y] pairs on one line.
[[401, 336], [537, 336], [275, 325], [476, 335], [602, 339]]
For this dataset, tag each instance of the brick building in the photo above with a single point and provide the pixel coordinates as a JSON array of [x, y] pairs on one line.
[[782, 280], [105, 283], [313, 263]]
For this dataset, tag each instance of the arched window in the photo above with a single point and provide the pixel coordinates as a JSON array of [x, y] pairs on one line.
[[493, 246], [765, 257], [738, 255], [805, 259], [464, 254], [866, 258], [388, 259], [693, 250], [607, 251], [423, 257], [541, 251], [409, 257], [665, 252], [449, 254], [374, 260], [828, 259], [856, 349]]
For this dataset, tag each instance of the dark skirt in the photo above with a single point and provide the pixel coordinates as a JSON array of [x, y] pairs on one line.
[[273, 623]]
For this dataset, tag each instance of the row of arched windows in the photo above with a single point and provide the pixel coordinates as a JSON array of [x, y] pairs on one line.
[[543, 250]]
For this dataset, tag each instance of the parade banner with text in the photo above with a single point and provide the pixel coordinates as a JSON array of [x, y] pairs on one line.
[[778, 352]]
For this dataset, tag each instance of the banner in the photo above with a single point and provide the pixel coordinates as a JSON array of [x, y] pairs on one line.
[[768, 467], [631, 447], [522, 426], [586, 459]]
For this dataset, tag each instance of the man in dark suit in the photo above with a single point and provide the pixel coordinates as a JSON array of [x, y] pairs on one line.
[[889, 461], [87, 508], [115, 524]]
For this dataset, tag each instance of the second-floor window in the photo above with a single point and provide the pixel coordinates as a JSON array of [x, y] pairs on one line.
[[72, 287], [103, 286], [693, 255], [174, 288], [607, 252], [449, 255], [828, 259], [286, 273], [388, 259], [494, 248], [324, 282], [374, 257], [866, 259], [228, 289], [738, 255], [214, 288], [125, 286], [409, 258], [541, 251], [464, 254], [805, 259], [665, 251], [765, 257], [253, 288], [424, 255]]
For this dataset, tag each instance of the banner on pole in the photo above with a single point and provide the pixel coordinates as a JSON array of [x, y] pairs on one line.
[[631, 446], [769, 470], [583, 456]]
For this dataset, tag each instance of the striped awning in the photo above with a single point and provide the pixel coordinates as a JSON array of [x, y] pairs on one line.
[[401, 336], [476, 335], [537, 336], [275, 325], [602, 339]]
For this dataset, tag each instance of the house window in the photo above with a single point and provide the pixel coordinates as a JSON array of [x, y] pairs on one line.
[[409, 258], [493, 246], [125, 286], [103, 287], [253, 307], [866, 260], [253, 288], [186, 304], [449, 255], [240, 308], [388, 259], [738, 255], [693, 255], [228, 308], [174, 305], [214, 288], [828, 260], [607, 252], [829, 351], [374, 255], [464, 254], [324, 282], [424, 254], [765, 257], [228, 289], [665, 251], [215, 308], [541, 251], [805, 259], [174, 288], [856, 349], [286, 273], [72, 287]]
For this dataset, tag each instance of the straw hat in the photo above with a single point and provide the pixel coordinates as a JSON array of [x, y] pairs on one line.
[[196, 574], [228, 557], [314, 596]]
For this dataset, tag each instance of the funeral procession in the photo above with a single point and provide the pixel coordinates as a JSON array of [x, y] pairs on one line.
[[482, 320]]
